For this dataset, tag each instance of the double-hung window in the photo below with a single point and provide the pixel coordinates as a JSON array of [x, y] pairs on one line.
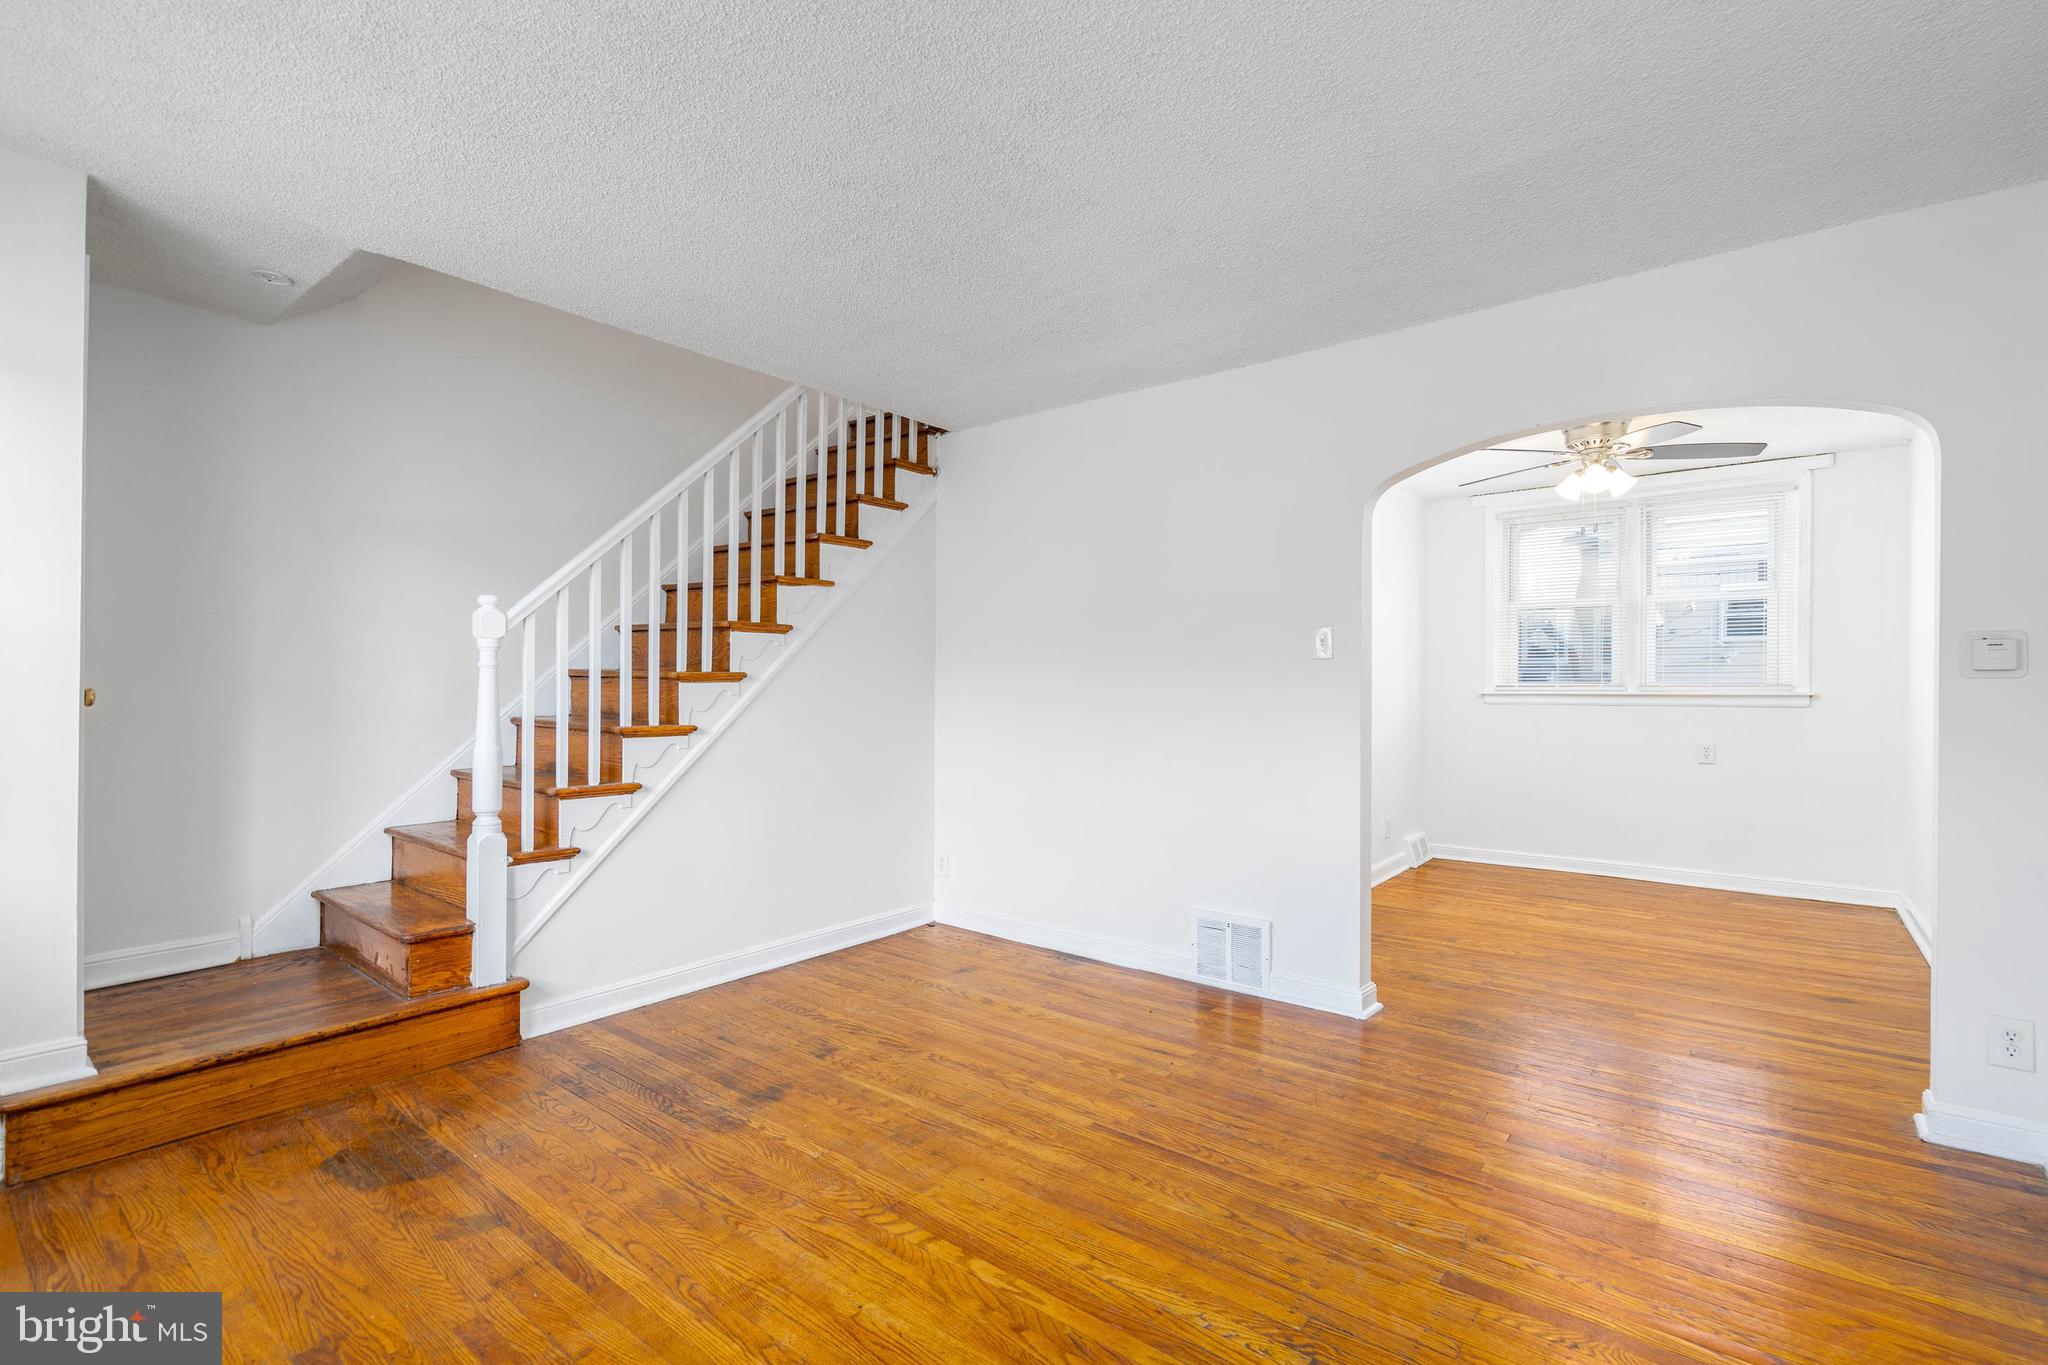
[[1692, 592]]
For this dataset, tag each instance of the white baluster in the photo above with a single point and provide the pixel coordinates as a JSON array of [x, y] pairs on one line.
[[734, 538], [820, 510], [562, 688], [812, 516], [760, 531], [871, 460], [526, 645], [594, 736], [789, 564], [488, 856], [657, 602], [626, 688], [682, 654], [837, 491], [915, 425], [848, 445], [710, 483]]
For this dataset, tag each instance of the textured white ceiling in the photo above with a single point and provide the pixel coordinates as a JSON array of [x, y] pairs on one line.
[[975, 210], [1785, 431]]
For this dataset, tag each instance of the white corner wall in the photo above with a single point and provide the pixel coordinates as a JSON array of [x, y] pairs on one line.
[[286, 529], [1398, 579], [1130, 724], [1806, 801], [808, 827], [1927, 657], [42, 454]]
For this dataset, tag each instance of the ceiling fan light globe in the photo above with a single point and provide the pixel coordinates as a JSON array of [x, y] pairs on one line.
[[1573, 486]]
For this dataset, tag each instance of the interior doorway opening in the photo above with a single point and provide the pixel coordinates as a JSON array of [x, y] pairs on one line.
[[1719, 672]]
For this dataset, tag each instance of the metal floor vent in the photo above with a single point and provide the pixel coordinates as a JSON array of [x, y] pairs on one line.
[[1234, 951]]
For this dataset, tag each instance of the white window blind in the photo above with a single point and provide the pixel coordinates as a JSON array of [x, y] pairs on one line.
[[1562, 576], [1684, 592], [1718, 586]]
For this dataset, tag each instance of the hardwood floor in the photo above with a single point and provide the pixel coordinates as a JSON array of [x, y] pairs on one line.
[[1599, 1120]]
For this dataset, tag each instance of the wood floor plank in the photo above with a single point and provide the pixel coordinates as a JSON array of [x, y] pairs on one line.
[[1599, 1119]]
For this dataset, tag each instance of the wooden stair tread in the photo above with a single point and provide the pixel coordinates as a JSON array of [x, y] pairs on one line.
[[401, 912], [640, 675], [862, 499], [743, 627], [779, 580], [193, 1021], [810, 538], [544, 785], [930, 471], [441, 834], [578, 726]]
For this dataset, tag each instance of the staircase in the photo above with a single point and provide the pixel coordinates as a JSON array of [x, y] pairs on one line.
[[414, 971]]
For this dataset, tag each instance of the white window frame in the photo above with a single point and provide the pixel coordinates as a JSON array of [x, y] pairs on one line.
[[1629, 688]]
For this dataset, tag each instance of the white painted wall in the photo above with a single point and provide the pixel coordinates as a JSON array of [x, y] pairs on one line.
[[1130, 724], [42, 454], [1926, 656], [287, 527], [1810, 800], [808, 826], [1398, 764]]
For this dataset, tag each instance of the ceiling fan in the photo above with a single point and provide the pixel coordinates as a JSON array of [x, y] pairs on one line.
[[1597, 455]]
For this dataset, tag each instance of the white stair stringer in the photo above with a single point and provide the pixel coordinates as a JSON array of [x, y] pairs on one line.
[[537, 891]]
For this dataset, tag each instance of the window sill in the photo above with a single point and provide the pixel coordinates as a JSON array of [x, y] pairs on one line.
[[1534, 698]]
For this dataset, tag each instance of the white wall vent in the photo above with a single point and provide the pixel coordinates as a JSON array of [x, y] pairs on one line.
[[1233, 950], [1418, 850]]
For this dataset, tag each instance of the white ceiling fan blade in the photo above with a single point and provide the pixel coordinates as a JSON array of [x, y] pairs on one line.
[[1662, 431], [1512, 472], [1707, 450], [1518, 450]]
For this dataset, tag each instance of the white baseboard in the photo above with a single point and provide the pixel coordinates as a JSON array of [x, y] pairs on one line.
[[1393, 865], [1332, 997], [547, 1015], [1979, 1130], [160, 959], [1675, 876], [41, 1064], [1916, 925]]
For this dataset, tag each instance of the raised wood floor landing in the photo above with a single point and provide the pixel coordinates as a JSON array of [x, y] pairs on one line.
[[1600, 1120]]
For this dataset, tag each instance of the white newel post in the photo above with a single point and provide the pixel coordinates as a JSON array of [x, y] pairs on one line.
[[489, 855]]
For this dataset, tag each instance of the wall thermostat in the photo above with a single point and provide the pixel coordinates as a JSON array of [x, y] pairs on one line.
[[1995, 654]]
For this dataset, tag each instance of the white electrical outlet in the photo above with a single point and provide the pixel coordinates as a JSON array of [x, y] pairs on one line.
[[1326, 643], [2012, 1043], [1707, 753], [945, 865]]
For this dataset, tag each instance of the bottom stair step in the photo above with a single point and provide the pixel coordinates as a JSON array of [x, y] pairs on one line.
[[182, 1055], [411, 940]]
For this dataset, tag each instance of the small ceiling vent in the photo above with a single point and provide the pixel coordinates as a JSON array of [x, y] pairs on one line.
[[1233, 951]]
